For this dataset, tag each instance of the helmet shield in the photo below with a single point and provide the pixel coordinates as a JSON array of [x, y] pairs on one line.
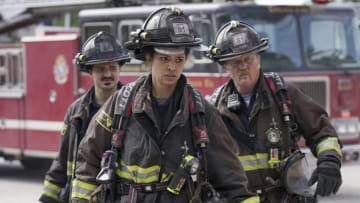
[[234, 39], [297, 172], [101, 48], [179, 29]]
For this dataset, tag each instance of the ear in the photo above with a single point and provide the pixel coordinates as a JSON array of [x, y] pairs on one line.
[[90, 71], [226, 67], [258, 58], [148, 58]]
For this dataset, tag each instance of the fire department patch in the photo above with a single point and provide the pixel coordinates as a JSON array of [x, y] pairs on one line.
[[61, 70], [63, 129], [239, 39], [104, 120], [181, 28]]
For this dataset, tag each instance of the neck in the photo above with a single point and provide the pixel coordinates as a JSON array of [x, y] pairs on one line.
[[162, 92], [102, 95], [244, 90]]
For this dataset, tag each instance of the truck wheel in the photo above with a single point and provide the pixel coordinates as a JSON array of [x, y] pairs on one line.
[[36, 163]]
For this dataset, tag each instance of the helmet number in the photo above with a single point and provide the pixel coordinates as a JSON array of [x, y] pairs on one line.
[[181, 28]]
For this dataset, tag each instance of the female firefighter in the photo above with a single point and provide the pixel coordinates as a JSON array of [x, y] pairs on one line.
[[266, 116], [162, 141]]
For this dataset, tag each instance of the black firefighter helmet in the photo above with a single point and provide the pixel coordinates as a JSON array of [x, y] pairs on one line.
[[165, 27], [100, 47], [236, 38]]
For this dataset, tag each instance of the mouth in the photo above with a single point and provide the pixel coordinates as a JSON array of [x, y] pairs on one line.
[[170, 76], [243, 74], [107, 79]]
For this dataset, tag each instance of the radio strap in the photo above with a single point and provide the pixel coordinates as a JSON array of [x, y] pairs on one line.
[[197, 110]]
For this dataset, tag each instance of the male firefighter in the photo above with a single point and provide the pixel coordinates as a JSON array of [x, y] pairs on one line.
[[266, 116], [102, 57], [157, 139]]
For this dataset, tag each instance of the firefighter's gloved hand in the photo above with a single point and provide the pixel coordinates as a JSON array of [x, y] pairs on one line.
[[327, 174]]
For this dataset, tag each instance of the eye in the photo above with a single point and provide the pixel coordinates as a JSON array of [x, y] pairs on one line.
[[112, 68], [180, 60], [164, 59], [248, 60], [234, 64], [98, 69]]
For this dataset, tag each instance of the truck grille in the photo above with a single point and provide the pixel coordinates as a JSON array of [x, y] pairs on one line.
[[317, 88]]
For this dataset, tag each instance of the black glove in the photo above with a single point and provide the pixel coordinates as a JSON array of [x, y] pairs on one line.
[[327, 174]]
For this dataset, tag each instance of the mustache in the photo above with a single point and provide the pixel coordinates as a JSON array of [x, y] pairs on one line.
[[107, 78]]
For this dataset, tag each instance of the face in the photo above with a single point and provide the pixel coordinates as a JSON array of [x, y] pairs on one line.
[[166, 69], [105, 75], [244, 71]]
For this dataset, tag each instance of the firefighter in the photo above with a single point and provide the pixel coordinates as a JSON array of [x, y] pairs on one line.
[[101, 57], [157, 138], [266, 116]]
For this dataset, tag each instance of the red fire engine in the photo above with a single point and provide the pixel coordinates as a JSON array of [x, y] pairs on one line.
[[315, 46]]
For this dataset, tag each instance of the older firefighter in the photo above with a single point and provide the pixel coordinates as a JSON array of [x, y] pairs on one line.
[[157, 139], [102, 57], [266, 117]]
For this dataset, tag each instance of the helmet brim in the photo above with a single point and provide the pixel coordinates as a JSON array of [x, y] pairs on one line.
[[196, 42], [200, 47], [116, 59], [261, 47]]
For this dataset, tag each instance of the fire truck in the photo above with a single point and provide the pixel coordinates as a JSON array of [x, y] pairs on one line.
[[315, 46]]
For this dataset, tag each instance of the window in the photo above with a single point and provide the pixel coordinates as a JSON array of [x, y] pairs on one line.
[[197, 61], [11, 72], [92, 28], [330, 41], [125, 29], [202, 29], [281, 30]]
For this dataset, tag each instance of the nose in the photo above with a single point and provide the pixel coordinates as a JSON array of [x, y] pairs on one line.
[[107, 73], [242, 65], [172, 66]]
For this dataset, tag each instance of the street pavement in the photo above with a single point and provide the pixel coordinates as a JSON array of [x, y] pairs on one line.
[[18, 185]]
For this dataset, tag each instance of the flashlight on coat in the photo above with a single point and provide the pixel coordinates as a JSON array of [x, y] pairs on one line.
[[108, 167], [189, 166]]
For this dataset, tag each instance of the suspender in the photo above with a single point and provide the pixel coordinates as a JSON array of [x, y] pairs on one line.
[[123, 111], [277, 86], [197, 110]]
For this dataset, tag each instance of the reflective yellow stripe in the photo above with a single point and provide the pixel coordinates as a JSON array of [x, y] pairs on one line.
[[166, 177], [51, 190], [51, 195], [254, 162], [70, 168], [52, 186], [138, 174], [82, 189], [330, 143], [104, 120], [252, 200]]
